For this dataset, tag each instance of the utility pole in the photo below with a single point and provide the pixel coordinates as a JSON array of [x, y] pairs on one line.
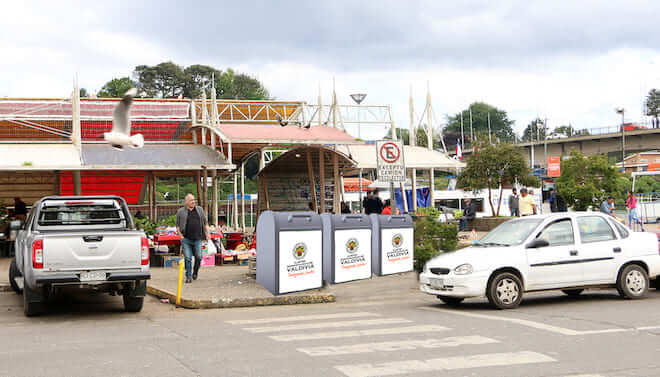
[[412, 141], [430, 141], [623, 137]]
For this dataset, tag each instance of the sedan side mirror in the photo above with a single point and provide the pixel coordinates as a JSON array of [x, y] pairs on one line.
[[537, 243]]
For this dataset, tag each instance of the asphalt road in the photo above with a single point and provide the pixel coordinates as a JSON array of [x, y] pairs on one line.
[[390, 332]]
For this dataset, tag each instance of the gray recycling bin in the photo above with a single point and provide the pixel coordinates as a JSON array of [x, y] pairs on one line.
[[392, 240], [289, 251], [346, 247]]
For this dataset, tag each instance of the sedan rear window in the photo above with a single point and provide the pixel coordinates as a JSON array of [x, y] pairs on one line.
[[81, 214]]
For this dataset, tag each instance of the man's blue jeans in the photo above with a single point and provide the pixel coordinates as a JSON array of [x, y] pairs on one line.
[[190, 247]]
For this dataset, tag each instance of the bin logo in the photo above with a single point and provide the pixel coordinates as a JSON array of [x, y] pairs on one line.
[[352, 245], [397, 240], [299, 251]]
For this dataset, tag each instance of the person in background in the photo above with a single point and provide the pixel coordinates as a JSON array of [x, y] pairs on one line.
[[387, 210], [552, 199], [607, 206], [373, 204], [20, 209], [513, 203], [192, 226], [633, 214], [536, 208], [526, 203], [345, 208], [469, 213]]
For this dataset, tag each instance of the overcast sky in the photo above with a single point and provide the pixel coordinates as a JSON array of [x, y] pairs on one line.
[[569, 61]]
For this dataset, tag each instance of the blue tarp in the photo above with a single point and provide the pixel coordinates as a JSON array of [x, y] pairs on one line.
[[423, 198]]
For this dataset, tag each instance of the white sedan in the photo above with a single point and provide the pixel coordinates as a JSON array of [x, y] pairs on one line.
[[568, 251]]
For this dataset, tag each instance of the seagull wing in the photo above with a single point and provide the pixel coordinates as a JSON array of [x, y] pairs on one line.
[[121, 122]]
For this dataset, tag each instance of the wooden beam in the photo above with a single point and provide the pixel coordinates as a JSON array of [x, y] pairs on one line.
[[205, 190], [199, 189], [77, 183], [312, 181], [214, 175], [243, 196], [322, 179], [149, 197], [153, 192], [235, 206], [265, 183], [57, 187], [337, 194], [413, 180]]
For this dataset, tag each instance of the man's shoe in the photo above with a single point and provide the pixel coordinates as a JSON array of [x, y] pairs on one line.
[[188, 280], [194, 276]]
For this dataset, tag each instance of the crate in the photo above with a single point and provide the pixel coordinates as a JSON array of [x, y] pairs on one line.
[[172, 260], [208, 260]]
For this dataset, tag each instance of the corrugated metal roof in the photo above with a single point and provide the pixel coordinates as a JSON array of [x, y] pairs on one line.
[[39, 157], [273, 134], [414, 157], [153, 157]]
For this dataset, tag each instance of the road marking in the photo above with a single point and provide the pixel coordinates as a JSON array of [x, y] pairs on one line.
[[543, 326], [444, 364], [302, 318], [329, 325], [397, 346], [356, 333]]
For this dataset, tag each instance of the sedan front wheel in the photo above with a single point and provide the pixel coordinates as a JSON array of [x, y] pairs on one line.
[[505, 291]]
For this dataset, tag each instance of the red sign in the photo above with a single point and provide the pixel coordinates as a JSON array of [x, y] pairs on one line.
[[654, 166], [554, 166], [390, 152]]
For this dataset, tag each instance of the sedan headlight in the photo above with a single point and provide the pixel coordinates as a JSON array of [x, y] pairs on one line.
[[463, 269]]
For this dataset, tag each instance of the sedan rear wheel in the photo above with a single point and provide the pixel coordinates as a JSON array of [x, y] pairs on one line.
[[505, 291], [633, 282]]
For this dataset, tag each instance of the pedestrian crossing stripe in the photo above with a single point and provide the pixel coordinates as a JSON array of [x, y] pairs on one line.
[[303, 318], [444, 364], [390, 346], [329, 325], [356, 333]]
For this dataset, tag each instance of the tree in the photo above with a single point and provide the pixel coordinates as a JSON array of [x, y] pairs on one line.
[[165, 80], [196, 78], [492, 166], [500, 124], [83, 93], [421, 140], [116, 88], [535, 130], [569, 131], [587, 181], [653, 104]]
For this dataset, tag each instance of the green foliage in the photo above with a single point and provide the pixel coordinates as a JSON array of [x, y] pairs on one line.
[[653, 103], [500, 124], [144, 224], [84, 93], [167, 221], [569, 131], [493, 166], [169, 80], [116, 88], [647, 183], [587, 181], [429, 211], [433, 238], [535, 130]]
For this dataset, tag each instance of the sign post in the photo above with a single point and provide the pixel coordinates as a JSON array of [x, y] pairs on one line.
[[390, 163]]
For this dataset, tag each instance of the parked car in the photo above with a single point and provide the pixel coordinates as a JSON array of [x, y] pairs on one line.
[[570, 251], [80, 241]]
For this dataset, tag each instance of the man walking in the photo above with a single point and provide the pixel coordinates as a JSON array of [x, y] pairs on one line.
[[513, 203], [373, 204], [526, 203], [192, 226]]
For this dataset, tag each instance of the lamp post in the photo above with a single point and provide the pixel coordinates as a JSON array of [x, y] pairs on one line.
[[621, 111], [358, 98]]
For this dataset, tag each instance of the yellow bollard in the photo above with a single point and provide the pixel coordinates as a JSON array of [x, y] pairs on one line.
[[178, 291]]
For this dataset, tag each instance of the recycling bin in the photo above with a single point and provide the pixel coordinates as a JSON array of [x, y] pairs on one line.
[[289, 252], [393, 244], [346, 247]]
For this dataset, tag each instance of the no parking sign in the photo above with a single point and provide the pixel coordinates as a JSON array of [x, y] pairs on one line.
[[390, 163]]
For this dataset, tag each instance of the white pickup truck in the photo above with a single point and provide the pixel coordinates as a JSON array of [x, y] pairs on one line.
[[80, 241]]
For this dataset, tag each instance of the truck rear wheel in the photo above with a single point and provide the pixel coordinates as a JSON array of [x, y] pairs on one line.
[[133, 304], [33, 302], [14, 274]]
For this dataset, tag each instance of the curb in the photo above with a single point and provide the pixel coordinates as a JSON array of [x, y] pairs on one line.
[[5, 288], [241, 302]]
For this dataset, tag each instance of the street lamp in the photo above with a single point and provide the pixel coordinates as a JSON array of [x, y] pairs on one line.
[[358, 98], [621, 111]]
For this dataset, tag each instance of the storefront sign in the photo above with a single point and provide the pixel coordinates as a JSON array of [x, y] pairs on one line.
[[397, 250], [300, 260], [390, 163], [554, 165], [352, 254]]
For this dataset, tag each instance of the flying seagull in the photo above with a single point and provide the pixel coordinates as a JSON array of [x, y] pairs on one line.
[[120, 136]]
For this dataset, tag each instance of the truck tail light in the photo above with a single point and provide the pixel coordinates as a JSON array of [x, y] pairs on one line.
[[38, 254], [145, 251]]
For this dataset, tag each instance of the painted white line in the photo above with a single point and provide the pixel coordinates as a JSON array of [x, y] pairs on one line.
[[542, 326], [444, 364], [302, 318], [328, 325], [585, 375], [404, 345], [353, 333]]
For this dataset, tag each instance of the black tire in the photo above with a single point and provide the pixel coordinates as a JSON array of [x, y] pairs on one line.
[[655, 283], [451, 300], [505, 291], [33, 302], [633, 282], [13, 274], [133, 304], [573, 292]]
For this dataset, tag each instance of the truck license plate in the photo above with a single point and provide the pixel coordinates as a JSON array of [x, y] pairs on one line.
[[437, 283], [92, 276]]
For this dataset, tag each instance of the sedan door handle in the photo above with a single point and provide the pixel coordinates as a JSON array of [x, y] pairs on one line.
[[617, 249], [574, 252]]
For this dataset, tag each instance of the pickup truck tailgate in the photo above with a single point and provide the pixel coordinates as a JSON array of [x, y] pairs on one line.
[[89, 251]]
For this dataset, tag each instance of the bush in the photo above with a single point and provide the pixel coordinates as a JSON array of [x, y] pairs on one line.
[[167, 221], [433, 238], [145, 225]]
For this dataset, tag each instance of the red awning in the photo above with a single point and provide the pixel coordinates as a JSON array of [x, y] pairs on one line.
[[353, 184]]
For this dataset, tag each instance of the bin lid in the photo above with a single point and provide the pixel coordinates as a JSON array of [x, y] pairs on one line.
[[297, 221], [348, 221], [393, 221]]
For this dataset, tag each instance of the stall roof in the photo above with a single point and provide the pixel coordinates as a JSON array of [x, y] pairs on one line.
[[414, 157], [270, 134], [19, 157], [153, 157]]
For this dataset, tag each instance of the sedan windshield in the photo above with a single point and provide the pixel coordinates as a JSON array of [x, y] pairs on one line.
[[512, 232]]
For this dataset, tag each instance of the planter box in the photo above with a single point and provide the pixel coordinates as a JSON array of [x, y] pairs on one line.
[[486, 224]]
